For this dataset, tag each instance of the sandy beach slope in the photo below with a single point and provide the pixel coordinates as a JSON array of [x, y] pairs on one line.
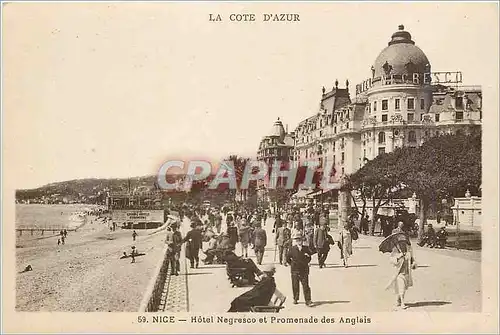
[[86, 274]]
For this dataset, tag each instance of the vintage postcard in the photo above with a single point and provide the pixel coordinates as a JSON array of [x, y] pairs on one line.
[[250, 167]]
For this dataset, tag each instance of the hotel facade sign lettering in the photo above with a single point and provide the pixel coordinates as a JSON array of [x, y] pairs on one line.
[[415, 78]]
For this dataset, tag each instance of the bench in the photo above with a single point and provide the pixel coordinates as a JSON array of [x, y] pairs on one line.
[[275, 304]]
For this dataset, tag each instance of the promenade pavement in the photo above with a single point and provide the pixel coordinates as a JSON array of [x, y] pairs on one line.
[[445, 280]]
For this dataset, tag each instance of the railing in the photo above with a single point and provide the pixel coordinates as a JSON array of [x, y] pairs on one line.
[[152, 299]]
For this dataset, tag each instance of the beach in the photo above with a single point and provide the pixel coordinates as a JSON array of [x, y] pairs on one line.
[[86, 274]]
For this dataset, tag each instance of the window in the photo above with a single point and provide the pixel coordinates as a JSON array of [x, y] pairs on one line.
[[342, 162], [421, 117], [411, 103], [374, 106], [459, 103], [459, 115], [396, 132], [364, 153], [384, 117], [385, 105], [410, 117], [412, 137], [422, 104], [381, 137], [343, 171], [397, 104], [381, 150], [335, 129], [320, 133], [333, 159], [436, 117]]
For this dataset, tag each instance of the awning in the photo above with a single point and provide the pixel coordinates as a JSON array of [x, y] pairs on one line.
[[301, 194]]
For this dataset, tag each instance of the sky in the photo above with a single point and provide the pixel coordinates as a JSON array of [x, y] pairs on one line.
[[116, 89]]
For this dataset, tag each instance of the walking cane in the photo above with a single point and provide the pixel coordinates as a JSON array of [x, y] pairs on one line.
[[275, 248]]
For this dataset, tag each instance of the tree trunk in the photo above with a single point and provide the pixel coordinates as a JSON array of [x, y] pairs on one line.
[[374, 218], [424, 206]]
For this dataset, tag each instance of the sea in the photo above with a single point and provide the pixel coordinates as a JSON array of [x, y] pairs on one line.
[[50, 216]]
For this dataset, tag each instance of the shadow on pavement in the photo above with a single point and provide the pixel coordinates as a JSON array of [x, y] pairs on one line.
[[214, 266], [352, 266], [328, 302], [199, 273], [427, 303]]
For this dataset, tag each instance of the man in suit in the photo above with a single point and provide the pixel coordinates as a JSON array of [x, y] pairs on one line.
[[193, 246], [320, 242], [259, 295], [174, 242], [283, 240], [299, 257], [259, 242]]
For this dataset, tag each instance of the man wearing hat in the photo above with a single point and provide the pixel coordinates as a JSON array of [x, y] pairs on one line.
[[259, 242], [259, 295], [299, 257], [193, 245], [174, 243]]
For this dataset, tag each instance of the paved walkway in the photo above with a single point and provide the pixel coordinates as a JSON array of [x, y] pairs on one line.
[[444, 281]]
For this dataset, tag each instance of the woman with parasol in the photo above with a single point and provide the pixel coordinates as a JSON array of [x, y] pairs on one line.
[[401, 257]]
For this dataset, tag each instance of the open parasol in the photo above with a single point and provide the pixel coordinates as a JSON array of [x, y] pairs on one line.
[[392, 240]]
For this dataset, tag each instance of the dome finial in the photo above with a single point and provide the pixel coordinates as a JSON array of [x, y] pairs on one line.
[[401, 27]]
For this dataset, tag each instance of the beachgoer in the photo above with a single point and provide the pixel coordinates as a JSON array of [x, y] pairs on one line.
[[133, 254]]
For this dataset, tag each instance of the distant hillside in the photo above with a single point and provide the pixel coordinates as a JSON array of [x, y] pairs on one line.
[[83, 190]]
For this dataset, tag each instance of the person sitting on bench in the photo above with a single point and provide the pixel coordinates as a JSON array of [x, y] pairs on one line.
[[259, 295], [235, 262], [441, 237], [211, 251]]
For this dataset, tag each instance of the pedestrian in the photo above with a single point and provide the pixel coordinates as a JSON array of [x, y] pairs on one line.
[[193, 241], [259, 242], [299, 257], [283, 241], [65, 232], [63, 240], [244, 236], [404, 262], [345, 241], [232, 232], [58, 241], [134, 235], [321, 244], [174, 243], [364, 224]]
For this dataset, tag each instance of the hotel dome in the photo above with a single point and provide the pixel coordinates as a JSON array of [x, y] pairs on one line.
[[400, 57]]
